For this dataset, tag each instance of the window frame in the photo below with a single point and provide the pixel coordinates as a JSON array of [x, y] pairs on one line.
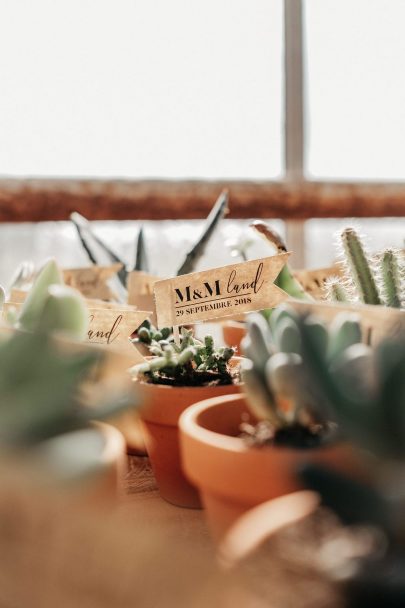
[[293, 198]]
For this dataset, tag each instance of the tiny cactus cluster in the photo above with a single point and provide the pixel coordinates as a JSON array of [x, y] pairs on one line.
[[280, 388], [379, 282], [192, 362]]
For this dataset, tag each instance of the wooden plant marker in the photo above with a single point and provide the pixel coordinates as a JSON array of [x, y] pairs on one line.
[[219, 292], [92, 280], [377, 322]]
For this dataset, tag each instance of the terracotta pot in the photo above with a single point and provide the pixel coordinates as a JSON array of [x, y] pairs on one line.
[[233, 332], [163, 406], [232, 477]]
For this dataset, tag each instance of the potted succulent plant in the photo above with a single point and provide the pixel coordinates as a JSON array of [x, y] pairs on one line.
[[243, 450], [52, 311], [46, 421], [366, 554], [174, 377]]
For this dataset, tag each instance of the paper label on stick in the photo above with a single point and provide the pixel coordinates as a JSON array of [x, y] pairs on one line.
[[92, 281], [113, 328], [314, 281], [377, 322], [140, 291], [219, 292]]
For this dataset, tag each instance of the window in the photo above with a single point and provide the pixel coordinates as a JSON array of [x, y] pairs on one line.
[[356, 89], [141, 88]]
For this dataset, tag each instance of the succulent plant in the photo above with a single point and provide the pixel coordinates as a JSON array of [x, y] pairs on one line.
[[191, 363], [365, 386], [377, 281], [40, 390], [280, 386], [87, 236], [52, 306]]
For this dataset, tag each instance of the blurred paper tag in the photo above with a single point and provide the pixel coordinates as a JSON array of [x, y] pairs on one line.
[[314, 281], [377, 322], [18, 295], [140, 291], [113, 328], [92, 281], [219, 292]]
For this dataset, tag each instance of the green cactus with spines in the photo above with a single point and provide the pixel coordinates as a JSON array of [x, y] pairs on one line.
[[336, 291], [192, 362], [391, 273], [359, 264], [378, 281]]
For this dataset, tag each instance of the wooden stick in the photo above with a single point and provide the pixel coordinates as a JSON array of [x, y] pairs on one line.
[[176, 334]]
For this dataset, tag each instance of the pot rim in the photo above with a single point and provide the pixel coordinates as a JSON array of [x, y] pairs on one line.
[[189, 425]]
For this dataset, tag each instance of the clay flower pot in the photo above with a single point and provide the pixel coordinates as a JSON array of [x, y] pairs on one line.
[[232, 477], [233, 332], [162, 408]]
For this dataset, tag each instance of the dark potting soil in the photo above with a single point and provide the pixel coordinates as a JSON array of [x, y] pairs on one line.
[[297, 436], [196, 378]]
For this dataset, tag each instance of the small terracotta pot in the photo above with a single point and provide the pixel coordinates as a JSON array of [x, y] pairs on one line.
[[232, 477], [162, 407], [233, 332]]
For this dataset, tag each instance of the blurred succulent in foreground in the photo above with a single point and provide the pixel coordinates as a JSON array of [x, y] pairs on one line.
[[191, 363], [281, 383], [40, 389], [52, 306]]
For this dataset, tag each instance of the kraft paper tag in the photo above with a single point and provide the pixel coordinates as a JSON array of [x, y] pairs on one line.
[[92, 281], [219, 292], [18, 295], [314, 281], [140, 291], [113, 328], [377, 322]]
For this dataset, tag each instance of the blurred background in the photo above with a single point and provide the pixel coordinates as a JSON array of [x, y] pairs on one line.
[[302, 102]]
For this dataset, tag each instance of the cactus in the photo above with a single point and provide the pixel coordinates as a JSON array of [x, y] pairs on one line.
[[336, 291], [391, 279], [359, 265], [191, 363], [378, 283], [278, 378]]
